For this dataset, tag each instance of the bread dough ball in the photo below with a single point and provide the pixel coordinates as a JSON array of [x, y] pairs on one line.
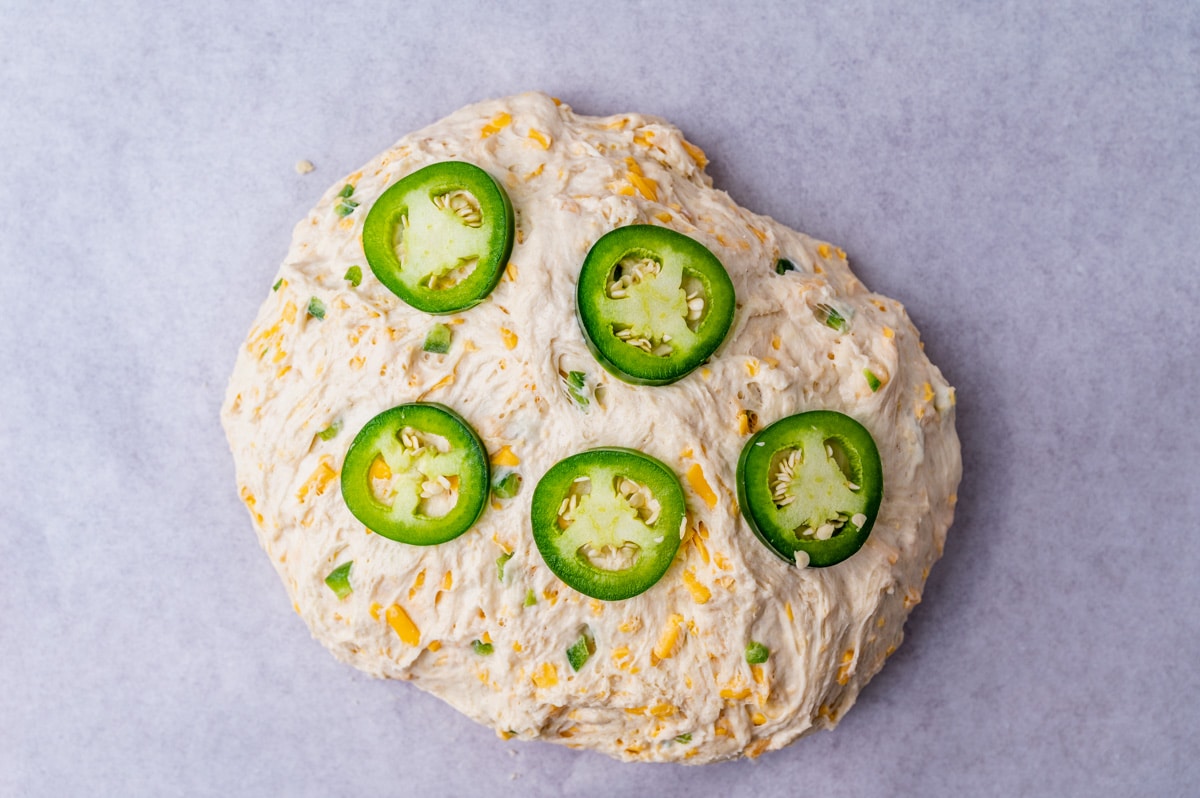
[[669, 678]]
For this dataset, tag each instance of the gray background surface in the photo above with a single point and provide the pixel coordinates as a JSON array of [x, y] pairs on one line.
[[1024, 177]]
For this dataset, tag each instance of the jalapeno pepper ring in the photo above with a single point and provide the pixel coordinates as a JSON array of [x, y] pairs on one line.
[[607, 521], [440, 238], [417, 474], [653, 304], [811, 484]]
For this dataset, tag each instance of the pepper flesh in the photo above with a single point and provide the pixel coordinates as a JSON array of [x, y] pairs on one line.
[[811, 484], [440, 238], [579, 652], [437, 340], [679, 307], [390, 485], [608, 545], [339, 580]]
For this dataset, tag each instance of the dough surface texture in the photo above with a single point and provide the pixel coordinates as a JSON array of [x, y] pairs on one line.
[[668, 680]]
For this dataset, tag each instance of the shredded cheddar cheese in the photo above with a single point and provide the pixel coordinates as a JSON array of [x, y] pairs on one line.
[[700, 594], [403, 625], [498, 123], [320, 479], [417, 584], [546, 676], [663, 710], [743, 423], [758, 748], [645, 186], [846, 666], [505, 457], [442, 383], [695, 478], [665, 647], [697, 154]]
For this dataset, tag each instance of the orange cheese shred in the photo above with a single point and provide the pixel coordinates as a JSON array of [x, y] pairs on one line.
[[498, 123], [695, 478]]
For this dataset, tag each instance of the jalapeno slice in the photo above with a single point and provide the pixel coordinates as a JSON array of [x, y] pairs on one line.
[[440, 238], [811, 483], [607, 521], [417, 474], [653, 303]]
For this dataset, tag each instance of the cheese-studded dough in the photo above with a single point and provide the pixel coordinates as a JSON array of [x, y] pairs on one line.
[[669, 677]]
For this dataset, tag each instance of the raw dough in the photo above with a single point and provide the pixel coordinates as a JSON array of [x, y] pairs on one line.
[[669, 679]]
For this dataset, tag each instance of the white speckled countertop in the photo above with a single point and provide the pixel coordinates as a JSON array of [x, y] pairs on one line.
[[1025, 181]]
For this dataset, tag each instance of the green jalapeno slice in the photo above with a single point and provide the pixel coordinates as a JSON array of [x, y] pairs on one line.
[[607, 521], [440, 238], [811, 483], [653, 304], [417, 474]]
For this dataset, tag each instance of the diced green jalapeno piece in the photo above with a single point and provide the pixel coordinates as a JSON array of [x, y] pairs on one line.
[[508, 486], [580, 651], [354, 276], [345, 205], [783, 266], [684, 738], [481, 648], [316, 308], [830, 317], [653, 304], [576, 380], [440, 238], [339, 580], [811, 485], [417, 474], [278, 283], [437, 340], [330, 432], [872, 381], [502, 561], [607, 521], [530, 598], [757, 653]]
